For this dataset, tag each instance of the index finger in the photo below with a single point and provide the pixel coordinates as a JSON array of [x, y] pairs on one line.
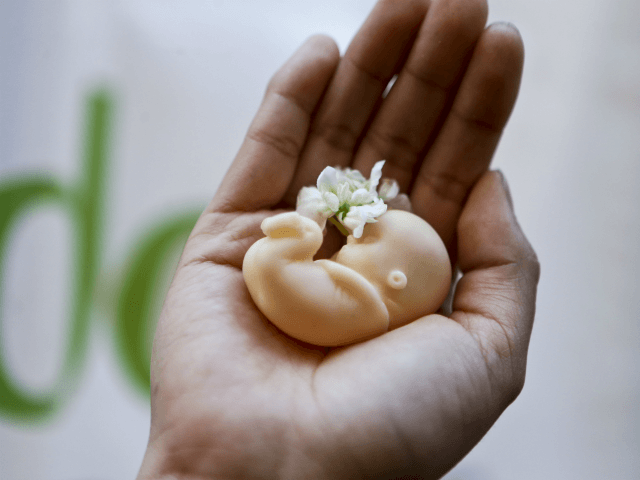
[[267, 159]]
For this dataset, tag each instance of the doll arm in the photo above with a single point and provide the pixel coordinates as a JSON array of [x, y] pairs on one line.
[[291, 236]]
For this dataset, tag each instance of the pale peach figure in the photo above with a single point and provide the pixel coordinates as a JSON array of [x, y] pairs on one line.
[[397, 272]]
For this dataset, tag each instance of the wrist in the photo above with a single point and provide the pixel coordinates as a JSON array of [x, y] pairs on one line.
[[172, 458]]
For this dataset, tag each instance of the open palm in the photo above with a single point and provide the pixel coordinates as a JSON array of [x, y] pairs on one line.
[[232, 396]]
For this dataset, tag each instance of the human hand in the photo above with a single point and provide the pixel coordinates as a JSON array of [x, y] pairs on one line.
[[232, 396]]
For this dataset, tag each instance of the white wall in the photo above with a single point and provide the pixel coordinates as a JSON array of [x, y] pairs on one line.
[[186, 78]]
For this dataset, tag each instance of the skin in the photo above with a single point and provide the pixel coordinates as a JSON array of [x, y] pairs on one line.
[[397, 271], [231, 396]]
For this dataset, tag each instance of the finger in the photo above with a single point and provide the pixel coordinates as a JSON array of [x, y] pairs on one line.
[[495, 298], [463, 149], [373, 57], [405, 122], [267, 159]]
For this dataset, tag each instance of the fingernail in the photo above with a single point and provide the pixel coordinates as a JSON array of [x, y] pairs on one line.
[[505, 186]]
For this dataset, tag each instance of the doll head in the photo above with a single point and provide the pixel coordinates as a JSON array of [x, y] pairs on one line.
[[407, 262]]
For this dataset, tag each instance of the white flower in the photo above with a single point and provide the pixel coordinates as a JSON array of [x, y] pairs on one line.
[[376, 173], [358, 216], [331, 201], [328, 180], [313, 204], [349, 196], [353, 178], [344, 193], [362, 197], [389, 189]]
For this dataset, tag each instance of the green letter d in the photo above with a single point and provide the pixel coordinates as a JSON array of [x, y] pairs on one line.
[[84, 204]]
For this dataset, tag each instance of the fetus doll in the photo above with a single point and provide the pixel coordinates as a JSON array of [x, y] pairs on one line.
[[397, 271]]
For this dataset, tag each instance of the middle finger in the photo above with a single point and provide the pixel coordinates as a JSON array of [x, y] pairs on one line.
[[376, 53], [408, 116]]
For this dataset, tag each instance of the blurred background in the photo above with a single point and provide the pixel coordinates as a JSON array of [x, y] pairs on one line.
[[119, 118]]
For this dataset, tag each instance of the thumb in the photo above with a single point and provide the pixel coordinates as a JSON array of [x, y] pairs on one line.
[[495, 298]]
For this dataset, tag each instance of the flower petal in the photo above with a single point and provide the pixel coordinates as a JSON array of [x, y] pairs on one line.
[[389, 189], [310, 204], [355, 221], [308, 198], [354, 177], [331, 200], [374, 210], [344, 192], [376, 173], [358, 216], [328, 180], [362, 196]]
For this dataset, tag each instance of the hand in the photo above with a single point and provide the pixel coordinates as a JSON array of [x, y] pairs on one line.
[[232, 396]]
